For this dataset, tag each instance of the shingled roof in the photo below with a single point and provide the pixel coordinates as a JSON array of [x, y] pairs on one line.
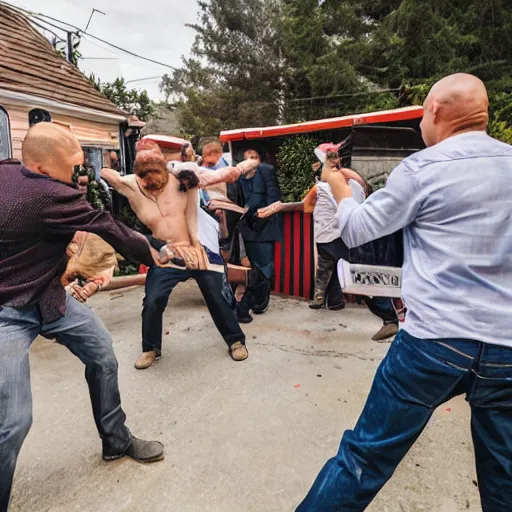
[[30, 65]]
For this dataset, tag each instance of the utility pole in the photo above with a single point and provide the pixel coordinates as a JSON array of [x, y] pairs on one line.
[[69, 53]]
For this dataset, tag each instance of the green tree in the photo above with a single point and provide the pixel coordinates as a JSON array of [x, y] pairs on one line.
[[263, 62], [235, 74], [132, 101], [417, 40]]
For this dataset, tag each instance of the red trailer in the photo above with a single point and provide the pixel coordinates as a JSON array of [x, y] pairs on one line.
[[380, 141]]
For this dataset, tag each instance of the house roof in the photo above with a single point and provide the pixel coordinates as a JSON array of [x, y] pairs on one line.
[[30, 65], [385, 116]]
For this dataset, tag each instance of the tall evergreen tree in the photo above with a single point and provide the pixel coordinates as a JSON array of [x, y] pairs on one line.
[[235, 74], [259, 62]]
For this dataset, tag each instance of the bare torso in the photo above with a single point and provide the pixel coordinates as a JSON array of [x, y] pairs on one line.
[[164, 214]]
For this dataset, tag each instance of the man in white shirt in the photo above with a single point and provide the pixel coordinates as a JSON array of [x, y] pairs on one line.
[[454, 202]]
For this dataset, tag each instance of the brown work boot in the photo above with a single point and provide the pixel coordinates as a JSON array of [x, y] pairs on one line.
[[322, 279], [385, 332], [318, 301], [141, 451], [146, 359], [238, 351]]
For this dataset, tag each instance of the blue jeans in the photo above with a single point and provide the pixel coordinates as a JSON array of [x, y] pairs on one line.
[[216, 292], [82, 332], [415, 378], [383, 308], [261, 255]]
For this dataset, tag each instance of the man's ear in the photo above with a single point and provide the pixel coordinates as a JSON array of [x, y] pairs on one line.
[[436, 107], [41, 169], [35, 167]]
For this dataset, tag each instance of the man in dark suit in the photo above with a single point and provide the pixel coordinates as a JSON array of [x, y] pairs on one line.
[[257, 190]]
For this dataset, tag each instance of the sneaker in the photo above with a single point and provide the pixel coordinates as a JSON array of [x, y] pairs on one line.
[[385, 332], [318, 302], [141, 451], [259, 309], [146, 359], [238, 352]]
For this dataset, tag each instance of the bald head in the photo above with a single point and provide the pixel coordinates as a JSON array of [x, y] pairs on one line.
[[456, 104], [52, 150]]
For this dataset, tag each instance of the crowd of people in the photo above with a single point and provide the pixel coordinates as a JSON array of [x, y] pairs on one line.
[[449, 207]]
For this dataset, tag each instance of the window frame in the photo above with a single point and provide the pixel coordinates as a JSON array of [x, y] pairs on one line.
[[9, 133]]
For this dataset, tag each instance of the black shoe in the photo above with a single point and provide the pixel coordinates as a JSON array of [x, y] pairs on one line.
[[259, 310], [243, 311], [260, 295], [247, 319], [141, 451]]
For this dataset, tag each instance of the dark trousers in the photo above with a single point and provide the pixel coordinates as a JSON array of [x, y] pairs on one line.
[[337, 250], [415, 378], [84, 334], [261, 255], [217, 294]]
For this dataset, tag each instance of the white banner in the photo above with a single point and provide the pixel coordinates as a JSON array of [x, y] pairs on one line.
[[370, 280]]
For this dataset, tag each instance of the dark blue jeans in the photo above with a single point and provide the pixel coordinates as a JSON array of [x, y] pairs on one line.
[[216, 292], [415, 378], [261, 255], [84, 334]]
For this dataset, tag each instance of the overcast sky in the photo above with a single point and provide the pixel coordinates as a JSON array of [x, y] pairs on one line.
[[151, 28]]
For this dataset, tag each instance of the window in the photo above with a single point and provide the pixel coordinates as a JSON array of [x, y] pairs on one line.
[[93, 158], [5, 135], [38, 115]]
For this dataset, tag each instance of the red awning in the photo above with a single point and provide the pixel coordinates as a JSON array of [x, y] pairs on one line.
[[385, 116]]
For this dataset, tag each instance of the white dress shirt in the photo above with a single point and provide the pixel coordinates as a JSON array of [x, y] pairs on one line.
[[325, 221], [454, 201]]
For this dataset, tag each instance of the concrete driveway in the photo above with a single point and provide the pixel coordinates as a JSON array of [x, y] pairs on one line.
[[240, 437]]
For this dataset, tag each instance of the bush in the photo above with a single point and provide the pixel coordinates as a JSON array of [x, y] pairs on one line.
[[294, 161], [500, 116]]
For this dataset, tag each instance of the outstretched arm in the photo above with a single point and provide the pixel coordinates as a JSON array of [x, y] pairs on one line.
[[70, 212], [209, 177], [307, 205], [116, 181]]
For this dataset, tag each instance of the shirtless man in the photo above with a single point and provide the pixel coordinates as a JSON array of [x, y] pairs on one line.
[[169, 208]]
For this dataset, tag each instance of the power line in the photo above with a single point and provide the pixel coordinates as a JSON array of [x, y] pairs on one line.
[[105, 48], [99, 58], [43, 18], [42, 27], [101, 47], [144, 79], [129, 52]]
